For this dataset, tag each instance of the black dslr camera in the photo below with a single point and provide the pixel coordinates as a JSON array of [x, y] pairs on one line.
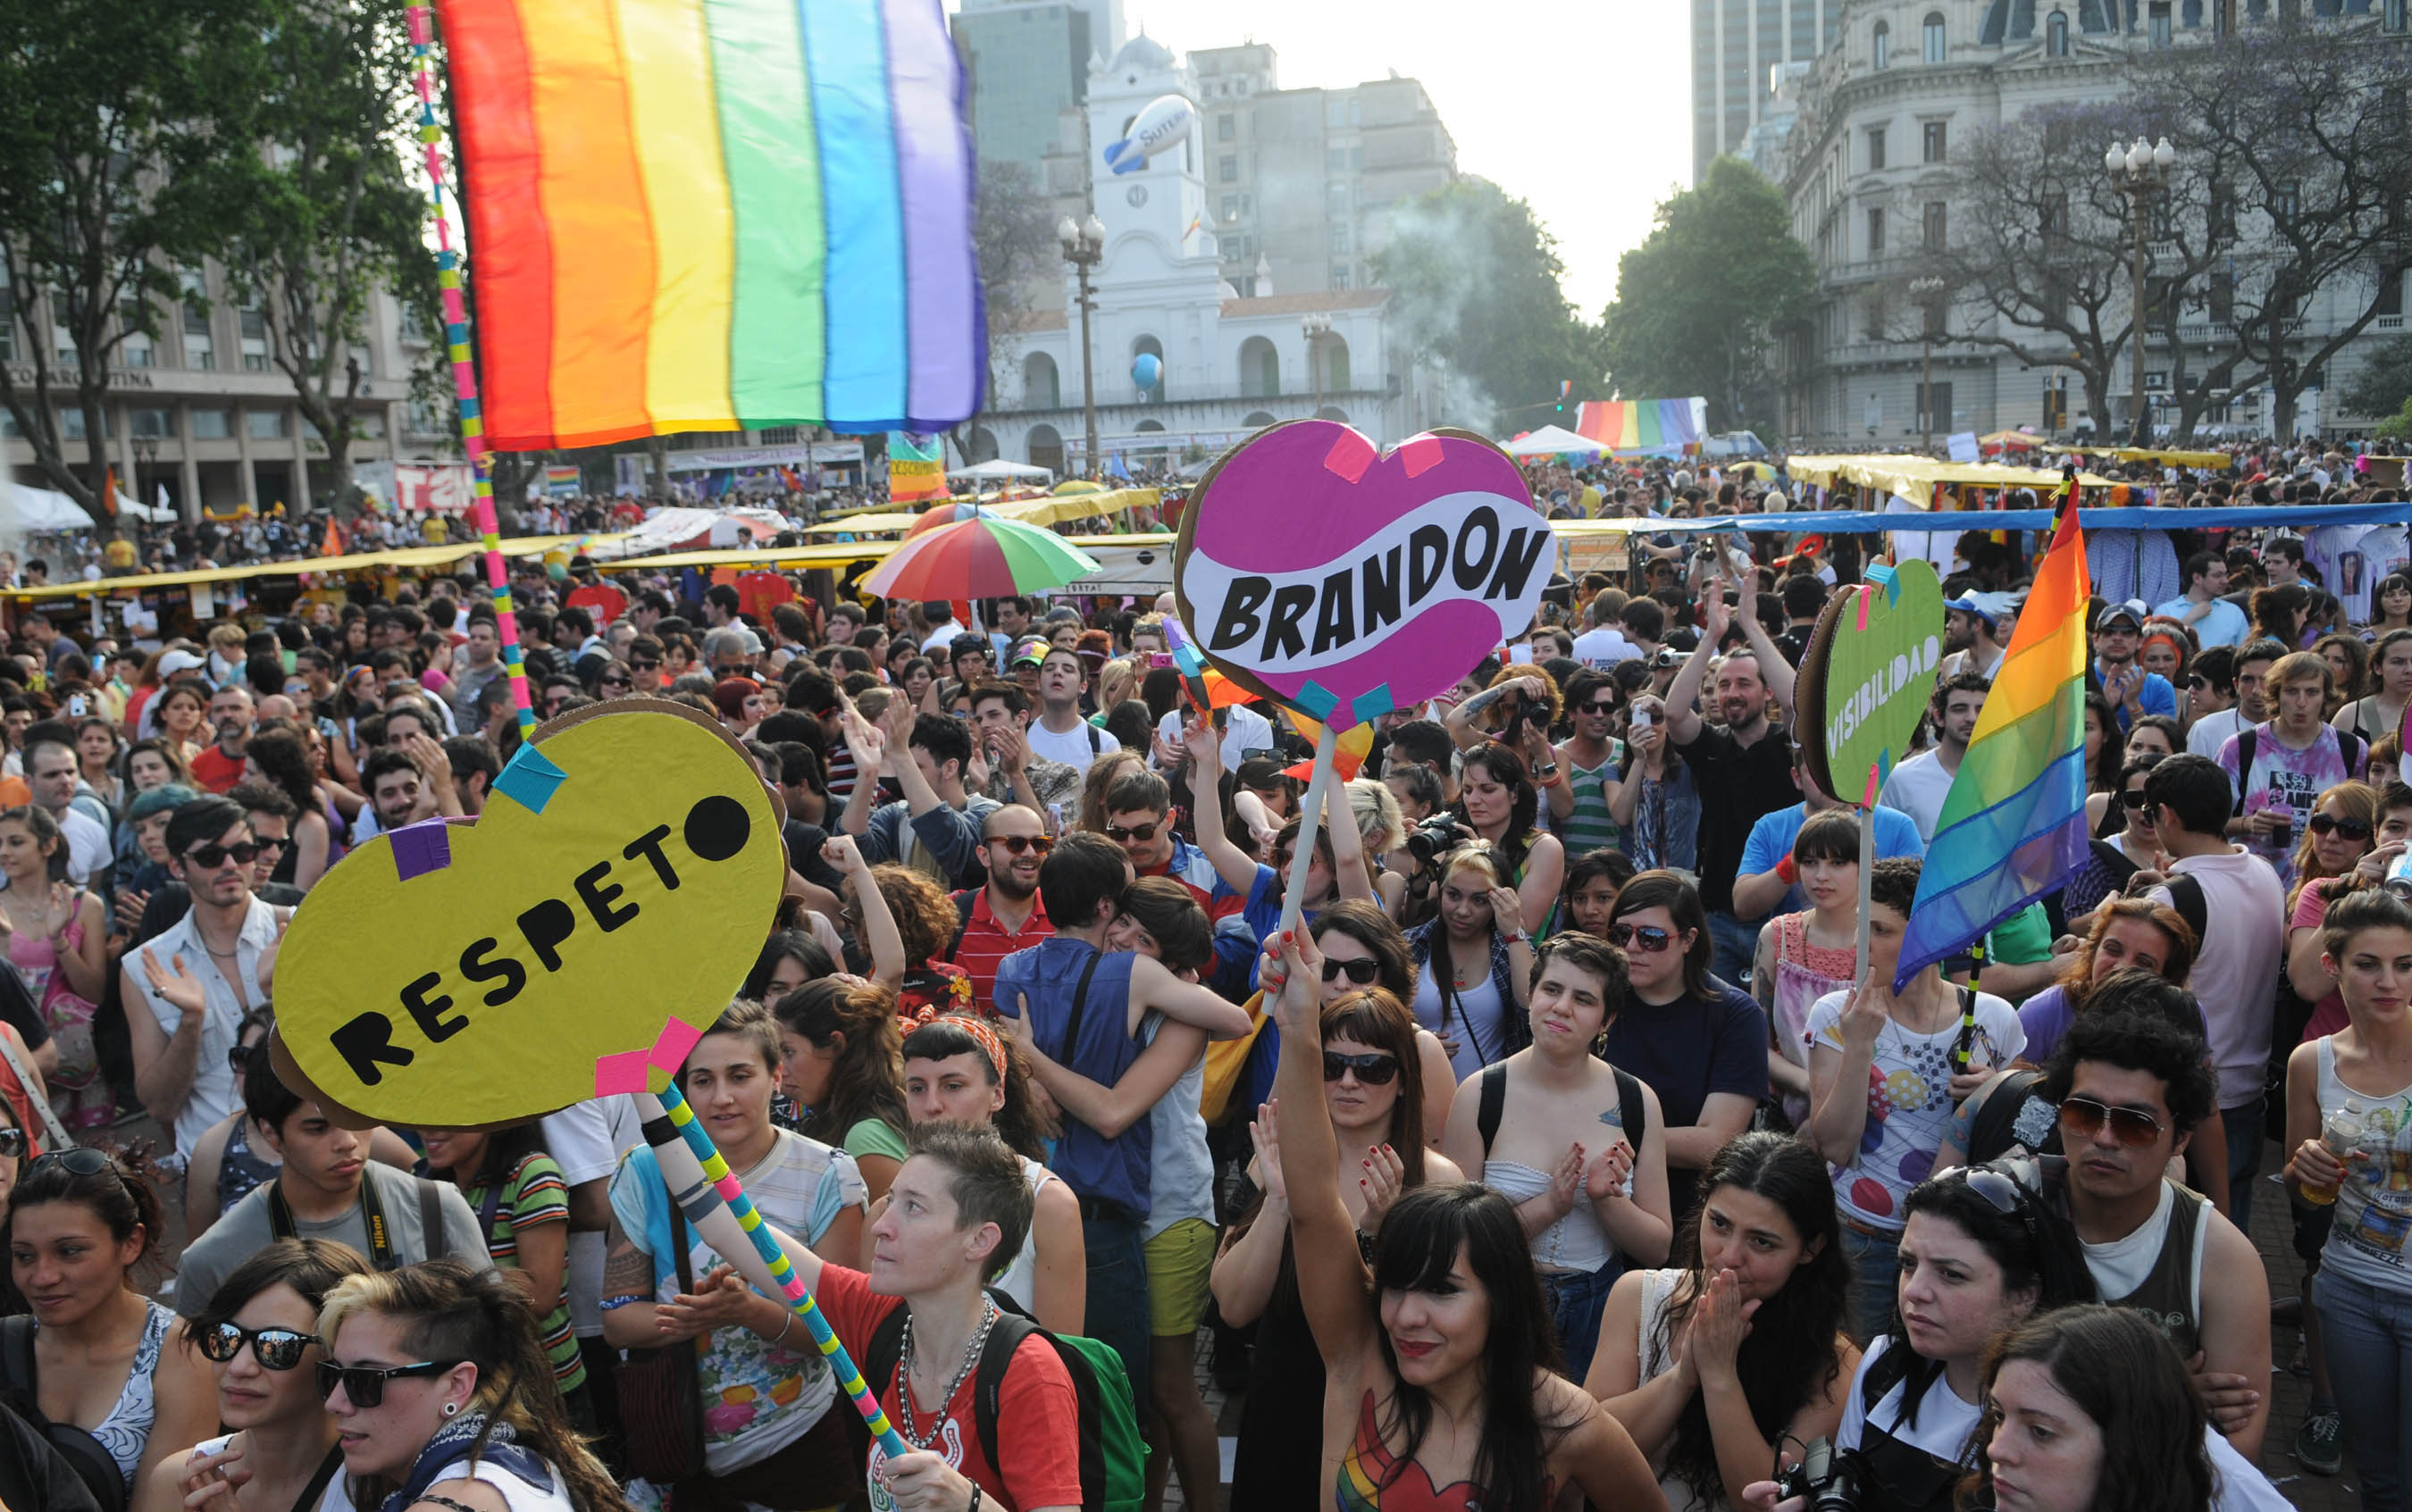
[[1828, 1476]]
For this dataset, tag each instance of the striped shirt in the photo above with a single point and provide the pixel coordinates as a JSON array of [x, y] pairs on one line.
[[1589, 827], [534, 1194]]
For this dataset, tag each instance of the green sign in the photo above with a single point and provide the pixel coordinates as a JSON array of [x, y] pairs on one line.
[[1865, 681]]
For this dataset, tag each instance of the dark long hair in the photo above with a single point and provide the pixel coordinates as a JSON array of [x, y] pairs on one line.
[[1506, 769], [284, 761], [504, 1151], [1378, 931], [1419, 1242], [783, 944], [1018, 1122], [2126, 1375], [1681, 901], [866, 1080], [2045, 1260], [1788, 1357]]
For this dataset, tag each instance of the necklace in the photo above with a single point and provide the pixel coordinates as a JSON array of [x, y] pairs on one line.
[[904, 1415]]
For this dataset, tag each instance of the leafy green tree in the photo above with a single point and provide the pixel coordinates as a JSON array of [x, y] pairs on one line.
[[2385, 381], [331, 211], [1475, 277], [116, 118], [1698, 303]]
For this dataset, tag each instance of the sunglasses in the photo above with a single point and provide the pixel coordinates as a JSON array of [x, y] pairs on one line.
[[2328, 824], [1373, 1070], [276, 1349], [2136, 799], [2083, 1118], [1600, 706], [83, 1160], [613, 682], [1361, 973], [1020, 844], [270, 846], [1648, 937], [12, 1142], [214, 855], [2007, 1195], [1141, 832], [2197, 680], [364, 1385], [646, 667]]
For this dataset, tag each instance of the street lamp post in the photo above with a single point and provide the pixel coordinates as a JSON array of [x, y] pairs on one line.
[[1085, 247], [146, 453], [2139, 170], [1924, 290], [1314, 327]]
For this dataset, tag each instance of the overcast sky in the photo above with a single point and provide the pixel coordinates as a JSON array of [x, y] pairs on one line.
[[1581, 107]]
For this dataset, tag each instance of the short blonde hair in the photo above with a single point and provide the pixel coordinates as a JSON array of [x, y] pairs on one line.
[[2297, 666]]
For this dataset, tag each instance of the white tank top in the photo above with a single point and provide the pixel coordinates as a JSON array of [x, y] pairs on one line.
[[1019, 1280], [2374, 1208]]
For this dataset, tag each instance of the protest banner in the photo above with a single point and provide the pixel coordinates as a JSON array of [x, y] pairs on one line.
[[1342, 582], [1862, 689], [593, 922]]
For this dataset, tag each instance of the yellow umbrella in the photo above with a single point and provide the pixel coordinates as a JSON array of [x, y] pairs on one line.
[[1080, 485]]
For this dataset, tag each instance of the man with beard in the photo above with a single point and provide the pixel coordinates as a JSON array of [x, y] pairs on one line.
[[1006, 915], [2118, 631], [1971, 637], [220, 766], [1747, 763], [1000, 717]]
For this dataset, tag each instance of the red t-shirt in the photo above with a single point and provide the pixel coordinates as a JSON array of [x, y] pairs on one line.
[[216, 770], [2328, 1015], [986, 942], [1038, 1413]]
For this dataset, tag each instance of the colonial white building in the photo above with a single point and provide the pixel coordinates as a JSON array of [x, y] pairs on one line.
[[1862, 142], [1228, 364]]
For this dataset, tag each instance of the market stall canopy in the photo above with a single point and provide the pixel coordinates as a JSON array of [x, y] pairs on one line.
[[998, 469], [1915, 478], [26, 509], [1553, 441], [2218, 461], [698, 529], [407, 559]]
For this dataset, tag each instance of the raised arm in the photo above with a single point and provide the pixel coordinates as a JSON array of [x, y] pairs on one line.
[[1348, 873], [868, 744], [1684, 693], [1332, 1278], [1249, 1264], [1110, 1110], [1773, 670], [880, 938], [1153, 987], [1236, 869]]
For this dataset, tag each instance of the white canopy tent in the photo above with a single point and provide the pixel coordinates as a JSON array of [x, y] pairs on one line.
[[999, 470], [1553, 441], [25, 510]]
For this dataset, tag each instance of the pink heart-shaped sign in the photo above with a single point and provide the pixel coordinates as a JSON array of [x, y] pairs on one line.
[[1344, 581]]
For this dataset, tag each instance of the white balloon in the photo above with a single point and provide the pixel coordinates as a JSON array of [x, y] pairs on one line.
[[1166, 120]]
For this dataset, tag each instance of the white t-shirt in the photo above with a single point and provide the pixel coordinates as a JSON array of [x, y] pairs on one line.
[[1076, 748], [1918, 787], [1945, 1423], [87, 846], [581, 1138], [2235, 975], [938, 639], [2212, 731], [1909, 1102], [1604, 647], [1243, 730]]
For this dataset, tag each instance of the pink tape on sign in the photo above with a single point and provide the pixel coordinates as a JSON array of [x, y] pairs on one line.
[[627, 1071], [1421, 454], [1349, 456], [1866, 594], [677, 1037], [623, 1072]]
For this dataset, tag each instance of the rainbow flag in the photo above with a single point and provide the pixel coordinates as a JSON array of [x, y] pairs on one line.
[[716, 215], [917, 466], [2014, 826], [1632, 425]]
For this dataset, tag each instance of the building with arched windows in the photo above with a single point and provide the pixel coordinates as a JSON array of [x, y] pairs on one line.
[[1226, 362]]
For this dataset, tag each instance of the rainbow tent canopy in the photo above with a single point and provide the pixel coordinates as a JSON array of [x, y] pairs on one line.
[[1630, 426], [715, 215]]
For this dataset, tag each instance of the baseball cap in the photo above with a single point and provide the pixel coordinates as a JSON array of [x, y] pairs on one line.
[[1970, 604], [2132, 611], [1031, 651], [180, 661]]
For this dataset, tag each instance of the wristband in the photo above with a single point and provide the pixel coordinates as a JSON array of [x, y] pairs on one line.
[[1788, 870]]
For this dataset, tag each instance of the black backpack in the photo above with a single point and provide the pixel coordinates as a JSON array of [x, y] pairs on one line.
[[2249, 738], [82, 1452], [1493, 1094]]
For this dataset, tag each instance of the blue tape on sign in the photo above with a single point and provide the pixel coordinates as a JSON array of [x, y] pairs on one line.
[[529, 780], [1370, 705], [1317, 700], [1891, 582]]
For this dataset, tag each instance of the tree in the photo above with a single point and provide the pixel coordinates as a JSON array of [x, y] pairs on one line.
[[327, 213], [1699, 301], [2302, 127], [1474, 277], [2385, 381], [1021, 268], [116, 117]]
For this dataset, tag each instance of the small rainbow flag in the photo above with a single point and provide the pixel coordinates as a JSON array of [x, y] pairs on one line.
[[2014, 826], [714, 216], [917, 466]]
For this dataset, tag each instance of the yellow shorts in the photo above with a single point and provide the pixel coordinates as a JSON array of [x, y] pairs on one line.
[[1180, 1277]]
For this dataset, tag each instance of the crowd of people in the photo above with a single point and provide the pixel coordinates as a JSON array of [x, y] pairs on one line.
[[1654, 1187]]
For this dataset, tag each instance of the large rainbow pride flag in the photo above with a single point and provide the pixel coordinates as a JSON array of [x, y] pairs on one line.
[[2013, 825], [716, 215], [1633, 425]]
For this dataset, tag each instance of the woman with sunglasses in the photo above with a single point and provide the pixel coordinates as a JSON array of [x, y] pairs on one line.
[[2112, 861], [105, 1358], [259, 1333], [441, 1393], [2349, 1128], [1437, 1354], [1713, 1362], [1980, 1253], [1474, 960], [1373, 1093], [1592, 1205], [57, 941], [1698, 1041]]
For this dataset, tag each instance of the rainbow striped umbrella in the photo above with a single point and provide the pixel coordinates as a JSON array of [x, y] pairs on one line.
[[983, 557], [944, 513]]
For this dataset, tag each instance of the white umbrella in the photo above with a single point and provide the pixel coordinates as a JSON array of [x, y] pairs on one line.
[[1553, 441], [999, 469]]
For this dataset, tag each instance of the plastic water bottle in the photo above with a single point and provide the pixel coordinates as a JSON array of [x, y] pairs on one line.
[[2339, 1132]]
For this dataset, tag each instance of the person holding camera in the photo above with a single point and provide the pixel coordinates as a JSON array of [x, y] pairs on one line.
[[1474, 961], [1658, 803]]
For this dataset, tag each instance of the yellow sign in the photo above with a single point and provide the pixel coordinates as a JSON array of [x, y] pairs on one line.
[[578, 937]]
